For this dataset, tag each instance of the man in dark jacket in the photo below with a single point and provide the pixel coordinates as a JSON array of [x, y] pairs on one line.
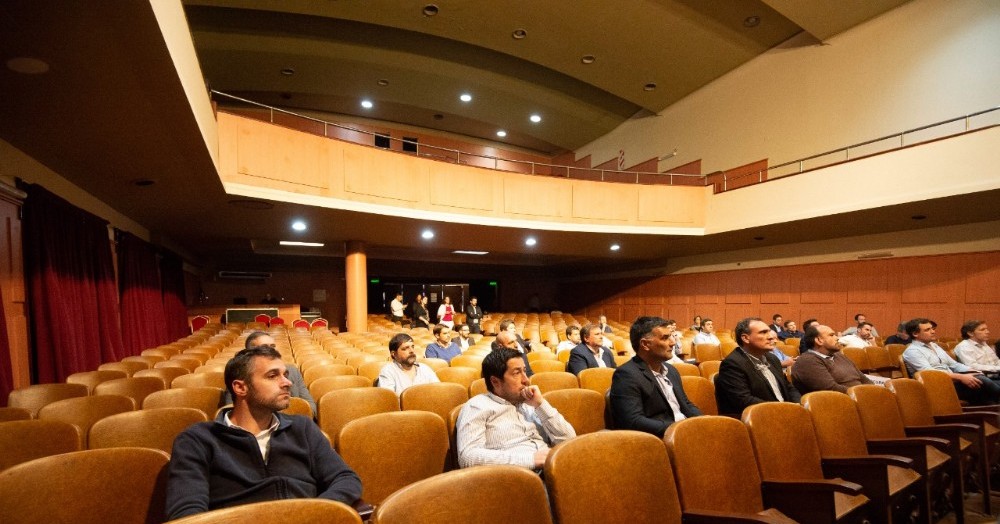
[[751, 374], [253, 453]]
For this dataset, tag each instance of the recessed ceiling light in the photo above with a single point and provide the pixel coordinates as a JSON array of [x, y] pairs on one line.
[[288, 71], [383, 82], [367, 104], [501, 133], [430, 10], [465, 97], [758, 238], [519, 34], [427, 234], [588, 59], [535, 118], [465, 252], [27, 65], [144, 182], [649, 87], [299, 225], [919, 217], [304, 244], [751, 21], [615, 247], [530, 241]]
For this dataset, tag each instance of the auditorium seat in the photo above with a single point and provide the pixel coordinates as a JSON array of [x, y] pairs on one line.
[[206, 399], [119, 485], [541, 366], [715, 470], [563, 356], [701, 392], [324, 385], [136, 388], [371, 369], [508, 494], [541, 355], [211, 379], [424, 435], [92, 378], [439, 398], [327, 370], [190, 364], [469, 361], [554, 380], [706, 351], [459, 375], [147, 428], [709, 368], [433, 363], [149, 360], [859, 356], [596, 379], [582, 408], [288, 511], [199, 322], [128, 366], [24, 440], [341, 406], [165, 374], [686, 370], [477, 387], [8, 414], [881, 361], [83, 412], [298, 406]]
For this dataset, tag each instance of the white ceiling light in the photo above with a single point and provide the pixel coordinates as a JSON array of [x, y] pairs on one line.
[[615, 247], [304, 244], [427, 234], [530, 241], [367, 104], [535, 118], [299, 225], [501, 133], [465, 97], [464, 252]]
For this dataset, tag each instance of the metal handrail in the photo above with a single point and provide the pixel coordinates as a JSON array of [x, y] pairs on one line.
[[458, 154]]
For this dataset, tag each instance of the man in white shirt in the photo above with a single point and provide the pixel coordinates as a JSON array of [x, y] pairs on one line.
[[511, 423], [707, 334], [404, 371], [923, 353], [572, 339], [396, 308], [858, 320], [861, 338], [975, 351]]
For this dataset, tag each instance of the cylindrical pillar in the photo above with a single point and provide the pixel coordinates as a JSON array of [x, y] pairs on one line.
[[356, 278]]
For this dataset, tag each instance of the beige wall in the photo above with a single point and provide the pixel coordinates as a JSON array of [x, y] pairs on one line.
[[926, 61]]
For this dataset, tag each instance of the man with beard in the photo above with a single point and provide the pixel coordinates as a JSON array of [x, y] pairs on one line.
[[511, 423], [299, 389], [252, 452], [822, 366], [404, 371]]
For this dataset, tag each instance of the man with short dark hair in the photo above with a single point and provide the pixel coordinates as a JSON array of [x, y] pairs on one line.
[[474, 316], [790, 331], [776, 323], [396, 308], [464, 339], [299, 389], [923, 353], [822, 367], [974, 350], [512, 423], [707, 334], [442, 347], [861, 338], [646, 392], [573, 338], [751, 374], [602, 323], [590, 353], [859, 319], [900, 337], [252, 452], [404, 370]]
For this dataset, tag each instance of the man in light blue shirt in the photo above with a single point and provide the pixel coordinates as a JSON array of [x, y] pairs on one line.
[[923, 353]]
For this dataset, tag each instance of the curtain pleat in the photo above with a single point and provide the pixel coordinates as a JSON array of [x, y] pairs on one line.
[[143, 317]]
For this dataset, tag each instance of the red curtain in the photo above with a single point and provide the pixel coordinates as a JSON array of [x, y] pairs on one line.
[[172, 277], [71, 287], [143, 316], [6, 371]]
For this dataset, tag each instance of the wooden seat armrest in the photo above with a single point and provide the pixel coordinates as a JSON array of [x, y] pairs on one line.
[[970, 418], [806, 488], [880, 460], [705, 516], [992, 408], [947, 431], [914, 448]]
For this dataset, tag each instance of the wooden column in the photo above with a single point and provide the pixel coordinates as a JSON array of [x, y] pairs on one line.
[[13, 285], [356, 277]]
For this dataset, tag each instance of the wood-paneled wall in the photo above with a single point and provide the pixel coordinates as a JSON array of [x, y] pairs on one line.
[[949, 289]]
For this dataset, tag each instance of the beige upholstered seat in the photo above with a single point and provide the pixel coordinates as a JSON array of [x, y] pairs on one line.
[[136, 388], [341, 406], [92, 378], [83, 412], [147, 428], [289, 511], [206, 399], [438, 397], [24, 440]]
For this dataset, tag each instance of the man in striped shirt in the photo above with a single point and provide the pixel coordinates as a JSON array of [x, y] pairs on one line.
[[511, 423]]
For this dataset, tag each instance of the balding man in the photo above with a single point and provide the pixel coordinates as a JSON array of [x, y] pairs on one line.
[[506, 339], [822, 367], [751, 374]]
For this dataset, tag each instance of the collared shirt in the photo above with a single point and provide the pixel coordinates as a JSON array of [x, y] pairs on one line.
[[706, 338], [765, 370], [854, 341], [599, 356], [668, 391], [977, 355], [396, 307], [566, 344], [919, 356], [393, 378], [491, 430], [263, 438]]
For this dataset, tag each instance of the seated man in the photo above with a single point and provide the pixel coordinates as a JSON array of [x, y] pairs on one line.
[[861, 338], [923, 353], [299, 389], [591, 353], [707, 334], [572, 339], [900, 337], [776, 323], [404, 371], [253, 453], [506, 340], [858, 320], [790, 331], [442, 347], [646, 392], [822, 367], [602, 324], [511, 423], [751, 374], [464, 339], [785, 360], [974, 350]]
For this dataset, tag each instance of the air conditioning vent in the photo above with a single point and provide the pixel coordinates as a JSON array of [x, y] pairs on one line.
[[244, 275]]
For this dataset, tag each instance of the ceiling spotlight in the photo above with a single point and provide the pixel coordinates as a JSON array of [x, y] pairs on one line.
[[588, 59], [465, 97], [758, 238], [27, 65], [297, 243], [430, 10], [367, 104], [501, 133], [519, 34], [468, 252], [649, 87], [299, 225], [288, 71], [535, 118], [383, 82], [615, 247], [427, 234], [751, 21], [530, 241], [919, 217]]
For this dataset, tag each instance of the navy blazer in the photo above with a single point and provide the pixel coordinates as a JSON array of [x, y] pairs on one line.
[[638, 403], [581, 358], [739, 384]]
